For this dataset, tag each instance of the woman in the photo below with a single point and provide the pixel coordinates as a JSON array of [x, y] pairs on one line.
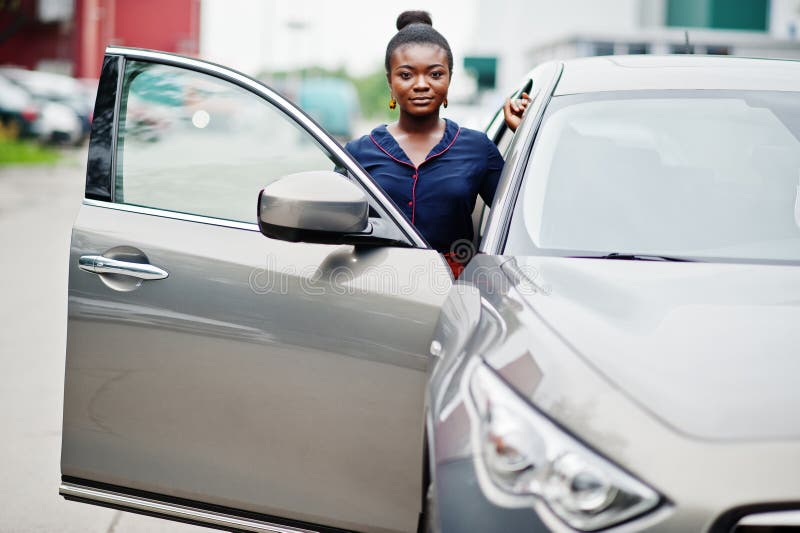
[[430, 167]]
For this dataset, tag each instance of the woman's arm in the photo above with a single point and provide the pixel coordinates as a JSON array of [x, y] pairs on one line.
[[494, 167]]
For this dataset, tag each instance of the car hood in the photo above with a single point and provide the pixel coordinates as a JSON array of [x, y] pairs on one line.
[[711, 349]]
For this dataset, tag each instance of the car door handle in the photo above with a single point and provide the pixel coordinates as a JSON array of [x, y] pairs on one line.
[[99, 264]]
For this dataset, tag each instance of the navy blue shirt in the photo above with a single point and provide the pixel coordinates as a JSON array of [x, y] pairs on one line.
[[438, 196]]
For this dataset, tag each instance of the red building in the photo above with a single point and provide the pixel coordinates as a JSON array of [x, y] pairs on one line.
[[69, 36]]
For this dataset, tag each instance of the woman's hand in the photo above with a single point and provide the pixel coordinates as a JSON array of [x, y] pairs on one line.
[[514, 109]]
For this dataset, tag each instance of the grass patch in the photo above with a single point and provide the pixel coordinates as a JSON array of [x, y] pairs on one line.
[[16, 152]]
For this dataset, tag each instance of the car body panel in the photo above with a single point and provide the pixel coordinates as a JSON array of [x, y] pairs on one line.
[[645, 325], [543, 366], [239, 354]]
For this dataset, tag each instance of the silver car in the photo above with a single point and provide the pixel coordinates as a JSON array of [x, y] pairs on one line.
[[258, 343]]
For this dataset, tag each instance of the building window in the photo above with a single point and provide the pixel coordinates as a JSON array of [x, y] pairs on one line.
[[714, 50], [679, 49], [484, 69], [638, 48], [603, 49]]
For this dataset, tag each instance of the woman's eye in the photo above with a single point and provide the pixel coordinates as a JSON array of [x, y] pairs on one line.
[[437, 74]]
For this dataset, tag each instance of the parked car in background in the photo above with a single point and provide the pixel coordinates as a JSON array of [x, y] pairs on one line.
[[89, 93], [57, 89], [28, 115], [620, 356], [58, 124], [18, 113]]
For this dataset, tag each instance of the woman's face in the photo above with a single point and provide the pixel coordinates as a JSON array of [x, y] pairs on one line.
[[419, 78]]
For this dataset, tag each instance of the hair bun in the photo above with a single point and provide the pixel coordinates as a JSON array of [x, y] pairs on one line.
[[413, 17]]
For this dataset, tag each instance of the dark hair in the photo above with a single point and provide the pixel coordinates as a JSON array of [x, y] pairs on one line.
[[416, 27]]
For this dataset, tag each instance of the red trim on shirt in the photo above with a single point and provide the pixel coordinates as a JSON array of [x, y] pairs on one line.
[[416, 168], [414, 196], [446, 148], [390, 155]]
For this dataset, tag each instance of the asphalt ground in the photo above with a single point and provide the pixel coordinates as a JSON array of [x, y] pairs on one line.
[[38, 205]]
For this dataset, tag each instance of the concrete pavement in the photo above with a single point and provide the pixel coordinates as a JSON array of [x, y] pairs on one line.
[[38, 205]]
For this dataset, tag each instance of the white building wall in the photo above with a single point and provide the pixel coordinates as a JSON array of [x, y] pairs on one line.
[[521, 32], [784, 19], [507, 28], [652, 13]]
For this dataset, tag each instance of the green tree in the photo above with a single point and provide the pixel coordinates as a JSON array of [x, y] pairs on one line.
[[373, 94]]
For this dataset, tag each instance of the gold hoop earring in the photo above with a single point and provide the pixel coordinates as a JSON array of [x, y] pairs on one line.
[[392, 103], [445, 103]]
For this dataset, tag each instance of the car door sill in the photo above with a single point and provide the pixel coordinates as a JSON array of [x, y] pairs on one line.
[[185, 511]]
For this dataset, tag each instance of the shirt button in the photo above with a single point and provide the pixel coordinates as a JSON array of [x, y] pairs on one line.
[[410, 203]]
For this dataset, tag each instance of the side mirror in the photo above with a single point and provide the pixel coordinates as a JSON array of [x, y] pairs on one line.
[[318, 206]]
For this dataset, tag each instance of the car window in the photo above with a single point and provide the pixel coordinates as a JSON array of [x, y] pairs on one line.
[[192, 143], [702, 174]]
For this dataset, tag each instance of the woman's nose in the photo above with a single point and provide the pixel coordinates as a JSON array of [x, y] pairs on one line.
[[421, 83]]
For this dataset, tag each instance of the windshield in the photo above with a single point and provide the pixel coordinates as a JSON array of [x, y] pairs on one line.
[[702, 174]]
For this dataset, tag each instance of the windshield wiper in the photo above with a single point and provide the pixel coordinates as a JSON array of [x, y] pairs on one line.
[[636, 257]]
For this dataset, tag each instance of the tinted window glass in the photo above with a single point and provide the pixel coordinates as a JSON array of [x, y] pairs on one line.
[[701, 174], [192, 143]]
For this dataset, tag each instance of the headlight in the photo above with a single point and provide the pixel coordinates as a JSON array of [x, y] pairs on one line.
[[520, 455]]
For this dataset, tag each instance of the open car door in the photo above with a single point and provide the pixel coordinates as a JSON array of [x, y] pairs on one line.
[[218, 376]]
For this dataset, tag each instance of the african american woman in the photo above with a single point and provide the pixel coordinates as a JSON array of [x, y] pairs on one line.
[[432, 168]]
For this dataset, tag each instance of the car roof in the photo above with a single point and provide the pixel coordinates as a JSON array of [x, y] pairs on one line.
[[646, 72]]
